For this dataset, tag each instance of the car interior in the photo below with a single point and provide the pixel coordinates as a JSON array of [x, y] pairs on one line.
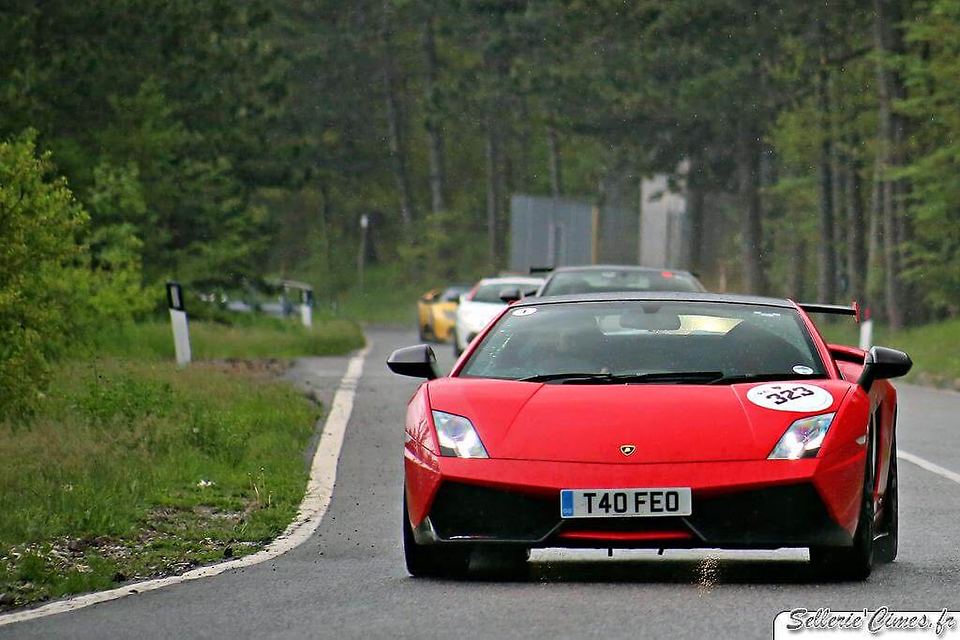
[[644, 342]]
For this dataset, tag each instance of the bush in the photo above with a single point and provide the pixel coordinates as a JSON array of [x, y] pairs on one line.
[[54, 290], [40, 260]]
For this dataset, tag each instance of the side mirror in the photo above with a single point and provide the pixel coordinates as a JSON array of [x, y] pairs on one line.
[[882, 363], [510, 294], [418, 362]]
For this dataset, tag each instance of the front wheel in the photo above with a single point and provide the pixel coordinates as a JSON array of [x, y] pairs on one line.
[[457, 351], [888, 543], [856, 562], [431, 561]]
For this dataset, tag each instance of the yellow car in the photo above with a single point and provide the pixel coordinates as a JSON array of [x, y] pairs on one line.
[[437, 311]]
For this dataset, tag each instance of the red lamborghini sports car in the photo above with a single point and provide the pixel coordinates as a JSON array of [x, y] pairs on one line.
[[663, 420]]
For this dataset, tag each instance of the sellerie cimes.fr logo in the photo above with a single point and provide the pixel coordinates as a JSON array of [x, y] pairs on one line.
[[882, 622], [627, 449]]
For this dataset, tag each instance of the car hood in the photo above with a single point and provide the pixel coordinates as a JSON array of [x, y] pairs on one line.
[[589, 423], [478, 314]]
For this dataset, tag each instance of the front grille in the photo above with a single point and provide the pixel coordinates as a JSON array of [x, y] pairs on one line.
[[463, 510], [781, 516], [772, 517]]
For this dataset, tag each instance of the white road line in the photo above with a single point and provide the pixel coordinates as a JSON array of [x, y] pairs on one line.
[[929, 466], [316, 499]]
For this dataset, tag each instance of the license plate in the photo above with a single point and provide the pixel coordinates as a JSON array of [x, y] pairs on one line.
[[624, 503]]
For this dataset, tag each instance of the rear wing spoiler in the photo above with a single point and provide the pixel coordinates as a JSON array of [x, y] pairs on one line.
[[536, 270], [833, 309]]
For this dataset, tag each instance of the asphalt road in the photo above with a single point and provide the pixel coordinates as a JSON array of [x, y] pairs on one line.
[[349, 580]]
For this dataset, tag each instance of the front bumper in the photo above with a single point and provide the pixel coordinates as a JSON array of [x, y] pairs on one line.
[[466, 331], [753, 504], [443, 325]]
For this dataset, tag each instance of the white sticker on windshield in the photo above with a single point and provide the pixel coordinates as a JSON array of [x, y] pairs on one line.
[[790, 396], [802, 370], [525, 311]]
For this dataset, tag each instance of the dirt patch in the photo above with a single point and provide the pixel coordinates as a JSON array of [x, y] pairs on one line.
[[267, 367], [166, 544]]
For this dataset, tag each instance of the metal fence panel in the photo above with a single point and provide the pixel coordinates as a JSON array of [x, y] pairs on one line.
[[549, 232], [554, 232]]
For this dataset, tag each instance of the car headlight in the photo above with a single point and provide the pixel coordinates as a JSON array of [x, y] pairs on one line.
[[803, 438], [457, 436]]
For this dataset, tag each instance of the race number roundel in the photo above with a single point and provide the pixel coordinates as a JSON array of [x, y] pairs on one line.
[[790, 396]]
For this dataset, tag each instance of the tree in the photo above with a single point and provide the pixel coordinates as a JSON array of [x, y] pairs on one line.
[[932, 73]]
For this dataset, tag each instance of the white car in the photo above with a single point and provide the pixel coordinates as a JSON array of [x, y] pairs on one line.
[[482, 303]]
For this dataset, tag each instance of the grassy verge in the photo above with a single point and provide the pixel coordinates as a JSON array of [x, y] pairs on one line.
[[385, 299], [268, 338], [134, 468], [935, 348]]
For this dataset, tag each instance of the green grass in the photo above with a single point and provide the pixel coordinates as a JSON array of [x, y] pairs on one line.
[[935, 348], [386, 299], [388, 296], [139, 469], [266, 338], [134, 468]]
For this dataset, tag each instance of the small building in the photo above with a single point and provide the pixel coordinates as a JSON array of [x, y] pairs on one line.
[[554, 232]]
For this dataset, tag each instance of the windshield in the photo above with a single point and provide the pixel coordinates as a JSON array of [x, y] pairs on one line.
[[712, 342], [490, 292], [600, 281], [452, 294]]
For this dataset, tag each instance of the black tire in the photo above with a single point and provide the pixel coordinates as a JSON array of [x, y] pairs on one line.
[[856, 562], [431, 561], [457, 351], [888, 543]]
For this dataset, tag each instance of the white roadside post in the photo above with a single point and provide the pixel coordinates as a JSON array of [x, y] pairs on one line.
[[178, 320], [362, 254], [306, 307], [866, 332]]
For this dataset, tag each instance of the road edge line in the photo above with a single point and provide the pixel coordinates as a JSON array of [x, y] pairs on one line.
[[923, 463], [316, 500]]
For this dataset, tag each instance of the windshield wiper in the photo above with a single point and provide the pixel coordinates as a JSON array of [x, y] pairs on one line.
[[560, 377], [677, 377], [628, 378], [765, 377]]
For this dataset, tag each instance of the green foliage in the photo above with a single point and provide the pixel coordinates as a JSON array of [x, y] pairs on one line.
[[246, 139], [934, 77], [385, 298], [59, 283], [158, 114], [446, 251], [41, 260], [116, 250]]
